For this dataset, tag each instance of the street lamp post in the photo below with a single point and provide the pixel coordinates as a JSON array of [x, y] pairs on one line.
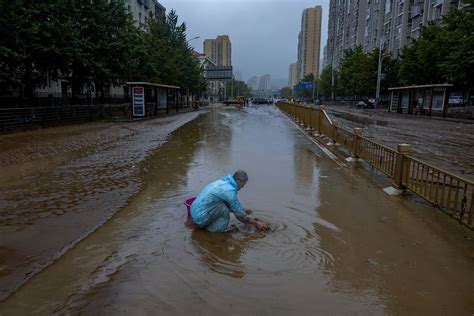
[[379, 72], [332, 82], [187, 92], [189, 40], [379, 75]]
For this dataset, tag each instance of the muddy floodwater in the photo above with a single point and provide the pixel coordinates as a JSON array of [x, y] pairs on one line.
[[337, 245]]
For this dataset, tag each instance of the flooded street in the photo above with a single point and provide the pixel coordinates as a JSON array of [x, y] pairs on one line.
[[338, 244]]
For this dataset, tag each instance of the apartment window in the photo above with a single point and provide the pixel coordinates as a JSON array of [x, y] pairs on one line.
[[129, 8], [388, 6], [140, 17], [437, 12], [398, 31], [400, 9]]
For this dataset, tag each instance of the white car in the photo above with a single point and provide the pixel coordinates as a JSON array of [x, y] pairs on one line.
[[455, 100]]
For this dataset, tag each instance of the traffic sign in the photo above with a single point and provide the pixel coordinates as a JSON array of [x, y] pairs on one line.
[[307, 85]]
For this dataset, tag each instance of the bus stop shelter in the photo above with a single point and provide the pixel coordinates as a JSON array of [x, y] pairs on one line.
[[422, 99], [150, 99]]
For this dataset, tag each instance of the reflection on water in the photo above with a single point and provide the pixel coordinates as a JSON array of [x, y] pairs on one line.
[[222, 253]]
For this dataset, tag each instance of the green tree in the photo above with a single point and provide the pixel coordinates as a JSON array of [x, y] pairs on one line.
[[389, 71], [444, 52], [31, 44], [111, 42], [356, 73], [239, 88], [89, 42], [286, 92], [307, 93], [168, 57], [325, 81], [420, 63], [458, 37]]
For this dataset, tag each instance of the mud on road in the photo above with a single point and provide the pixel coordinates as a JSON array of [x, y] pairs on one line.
[[59, 184], [447, 144]]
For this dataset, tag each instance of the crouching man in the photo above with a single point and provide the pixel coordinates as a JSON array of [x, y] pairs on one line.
[[212, 207]]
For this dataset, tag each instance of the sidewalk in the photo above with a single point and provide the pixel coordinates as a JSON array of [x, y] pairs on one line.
[[445, 143]]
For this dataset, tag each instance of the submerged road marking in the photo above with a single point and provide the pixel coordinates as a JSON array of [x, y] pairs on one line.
[[323, 149]]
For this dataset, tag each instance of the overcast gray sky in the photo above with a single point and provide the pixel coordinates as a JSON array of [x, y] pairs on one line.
[[264, 33]]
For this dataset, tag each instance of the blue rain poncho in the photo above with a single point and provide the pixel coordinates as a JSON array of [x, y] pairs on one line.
[[211, 208]]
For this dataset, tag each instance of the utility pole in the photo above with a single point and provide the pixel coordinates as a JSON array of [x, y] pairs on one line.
[[332, 82], [379, 74]]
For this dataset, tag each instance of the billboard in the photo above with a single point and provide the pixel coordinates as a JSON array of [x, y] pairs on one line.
[[138, 98], [219, 72], [307, 85]]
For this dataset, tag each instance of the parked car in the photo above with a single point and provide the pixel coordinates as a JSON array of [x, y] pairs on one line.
[[456, 100], [361, 105]]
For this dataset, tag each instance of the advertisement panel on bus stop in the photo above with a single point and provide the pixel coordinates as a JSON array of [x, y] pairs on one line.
[[138, 98]]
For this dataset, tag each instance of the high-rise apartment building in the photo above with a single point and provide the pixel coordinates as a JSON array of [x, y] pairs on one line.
[[238, 75], [141, 9], [219, 50], [252, 83], [309, 42], [292, 76], [392, 24], [264, 82]]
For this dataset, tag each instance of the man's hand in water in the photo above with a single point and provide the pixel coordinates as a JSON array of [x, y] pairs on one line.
[[259, 225]]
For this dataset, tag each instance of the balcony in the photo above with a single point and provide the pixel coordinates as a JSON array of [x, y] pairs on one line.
[[416, 10]]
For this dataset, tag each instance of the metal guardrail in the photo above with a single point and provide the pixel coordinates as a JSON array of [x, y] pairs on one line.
[[379, 156], [450, 193], [24, 116]]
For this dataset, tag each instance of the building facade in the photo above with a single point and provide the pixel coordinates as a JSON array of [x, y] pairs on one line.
[[141, 9], [252, 83], [219, 50], [292, 76], [391, 24], [309, 42], [238, 75], [264, 82]]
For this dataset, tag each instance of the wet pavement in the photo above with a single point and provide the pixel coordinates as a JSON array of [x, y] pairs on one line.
[[337, 245]]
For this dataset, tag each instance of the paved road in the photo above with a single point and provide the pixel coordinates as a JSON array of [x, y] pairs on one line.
[[338, 244]]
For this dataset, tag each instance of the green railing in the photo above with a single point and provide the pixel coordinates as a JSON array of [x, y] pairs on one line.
[[450, 193]]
